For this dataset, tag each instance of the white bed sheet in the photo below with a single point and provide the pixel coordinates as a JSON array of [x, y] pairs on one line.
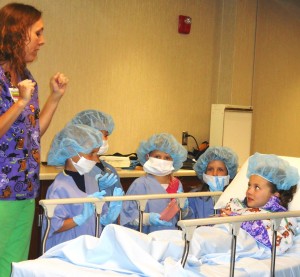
[[286, 266]]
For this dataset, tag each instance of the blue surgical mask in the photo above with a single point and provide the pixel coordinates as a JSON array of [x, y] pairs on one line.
[[216, 183], [83, 165]]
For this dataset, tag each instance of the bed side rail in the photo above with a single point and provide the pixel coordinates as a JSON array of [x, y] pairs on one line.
[[188, 227], [49, 205]]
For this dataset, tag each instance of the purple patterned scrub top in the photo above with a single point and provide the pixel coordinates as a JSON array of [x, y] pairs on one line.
[[19, 147]]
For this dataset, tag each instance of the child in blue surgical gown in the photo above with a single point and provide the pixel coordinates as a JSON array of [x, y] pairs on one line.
[[76, 147], [160, 156], [108, 178], [215, 168]]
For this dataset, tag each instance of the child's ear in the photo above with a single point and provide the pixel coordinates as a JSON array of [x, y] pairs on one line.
[[277, 194]]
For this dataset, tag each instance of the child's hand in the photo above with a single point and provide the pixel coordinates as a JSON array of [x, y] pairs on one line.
[[225, 212]]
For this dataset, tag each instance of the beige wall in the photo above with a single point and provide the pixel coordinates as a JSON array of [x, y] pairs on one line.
[[126, 58], [276, 93], [234, 56]]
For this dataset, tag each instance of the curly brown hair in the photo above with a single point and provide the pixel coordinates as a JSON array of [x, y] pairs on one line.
[[285, 196], [15, 21]]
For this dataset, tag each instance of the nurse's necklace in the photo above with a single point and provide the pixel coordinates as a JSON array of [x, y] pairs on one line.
[[13, 90], [8, 76]]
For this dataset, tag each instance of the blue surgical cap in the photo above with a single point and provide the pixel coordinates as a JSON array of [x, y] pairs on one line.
[[274, 169], [166, 143], [217, 153], [96, 119], [71, 140]]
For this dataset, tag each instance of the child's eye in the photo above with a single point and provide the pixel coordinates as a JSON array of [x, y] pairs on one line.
[[257, 188]]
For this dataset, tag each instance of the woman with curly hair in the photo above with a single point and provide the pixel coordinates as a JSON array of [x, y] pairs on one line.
[[21, 125]]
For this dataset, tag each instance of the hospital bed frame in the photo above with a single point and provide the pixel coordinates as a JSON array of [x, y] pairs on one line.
[[49, 205], [189, 226]]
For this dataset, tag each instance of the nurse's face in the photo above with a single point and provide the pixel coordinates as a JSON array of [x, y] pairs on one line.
[[216, 168], [35, 41]]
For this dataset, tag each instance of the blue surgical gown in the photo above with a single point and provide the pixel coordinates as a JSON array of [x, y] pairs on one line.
[[65, 187], [201, 207], [146, 185]]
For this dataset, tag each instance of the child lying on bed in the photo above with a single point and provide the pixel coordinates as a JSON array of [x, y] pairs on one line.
[[272, 184]]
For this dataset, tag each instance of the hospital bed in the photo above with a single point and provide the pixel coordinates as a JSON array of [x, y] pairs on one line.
[[287, 265], [178, 264]]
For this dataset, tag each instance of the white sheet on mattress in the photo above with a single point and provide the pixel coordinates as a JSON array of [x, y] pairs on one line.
[[128, 254]]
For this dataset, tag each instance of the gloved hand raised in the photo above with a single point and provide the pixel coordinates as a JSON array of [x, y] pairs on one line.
[[87, 212], [107, 180], [186, 202], [88, 209], [114, 209], [155, 221], [97, 194]]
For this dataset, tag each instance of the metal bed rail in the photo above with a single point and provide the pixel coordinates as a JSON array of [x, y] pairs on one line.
[[188, 227], [49, 205]]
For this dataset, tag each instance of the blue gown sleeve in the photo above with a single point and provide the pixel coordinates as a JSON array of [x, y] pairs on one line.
[[201, 207]]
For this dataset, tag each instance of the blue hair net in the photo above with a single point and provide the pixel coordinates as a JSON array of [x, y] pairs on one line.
[[166, 143], [224, 154], [96, 119], [71, 140], [274, 169]]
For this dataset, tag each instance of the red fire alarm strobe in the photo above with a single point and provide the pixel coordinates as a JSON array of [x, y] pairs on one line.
[[184, 24]]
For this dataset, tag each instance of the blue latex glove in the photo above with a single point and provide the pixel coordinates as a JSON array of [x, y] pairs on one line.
[[186, 202], [88, 209], [155, 221], [114, 210], [98, 194], [107, 180]]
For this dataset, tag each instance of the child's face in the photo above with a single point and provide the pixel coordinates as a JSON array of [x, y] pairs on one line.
[[259, 192], [216, 168], [160, 155], [104, 134], [92, 156]]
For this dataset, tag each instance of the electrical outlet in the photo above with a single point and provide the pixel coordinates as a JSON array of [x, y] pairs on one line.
[[185, 135]]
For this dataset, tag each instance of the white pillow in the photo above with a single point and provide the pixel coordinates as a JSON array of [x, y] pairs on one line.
[[238, 186]]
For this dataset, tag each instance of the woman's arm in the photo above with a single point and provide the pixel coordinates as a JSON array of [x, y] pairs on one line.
[[58, 85]]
